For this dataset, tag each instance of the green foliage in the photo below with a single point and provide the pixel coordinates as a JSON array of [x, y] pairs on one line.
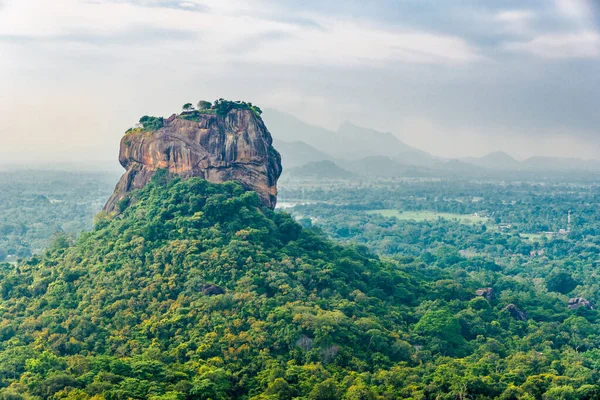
[[152, 123], [124, 312], [223, 106], [561, 282], [220, 107], [441, 331], [204, 105]]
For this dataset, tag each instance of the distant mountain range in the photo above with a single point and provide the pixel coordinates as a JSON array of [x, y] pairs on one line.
[[502, 161], [298, 153], [367, 152], [349, 142], [320, 169], [496, 160]]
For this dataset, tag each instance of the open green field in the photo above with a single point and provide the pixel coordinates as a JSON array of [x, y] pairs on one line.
[[534, 237], [429, 215]]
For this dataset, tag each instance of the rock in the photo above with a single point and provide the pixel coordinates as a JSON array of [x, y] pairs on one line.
[[236, 146], [486, 293], [515, 312], [577, 302], [329, 353], [211, 290], [305, 342]]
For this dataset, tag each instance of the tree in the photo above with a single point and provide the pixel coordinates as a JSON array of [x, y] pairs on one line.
[[360, 391], [187, 107], [441, 331], [326, 390], [280, 389], [151, 123], [561, 282], [204, 105]]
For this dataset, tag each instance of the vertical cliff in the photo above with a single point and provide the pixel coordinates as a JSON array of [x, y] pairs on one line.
[[234, 146]]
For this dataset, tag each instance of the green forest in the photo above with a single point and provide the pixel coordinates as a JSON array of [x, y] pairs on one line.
[[198, 292], [37, 205]]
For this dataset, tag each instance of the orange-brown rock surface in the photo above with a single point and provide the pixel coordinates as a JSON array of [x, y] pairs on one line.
[[236, 146]]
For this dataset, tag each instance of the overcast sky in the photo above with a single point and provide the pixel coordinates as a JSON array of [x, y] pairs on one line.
[[452, 77]]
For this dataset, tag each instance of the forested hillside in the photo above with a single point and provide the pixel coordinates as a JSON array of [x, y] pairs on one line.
[[198, 292]]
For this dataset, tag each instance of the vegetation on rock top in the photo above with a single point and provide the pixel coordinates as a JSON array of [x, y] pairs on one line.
[[189, 112]]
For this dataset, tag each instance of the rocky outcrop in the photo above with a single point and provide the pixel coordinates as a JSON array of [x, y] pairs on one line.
[[305, 343], [577, 302], [515, 312], [236, 146], [486, 293], [211, 290]]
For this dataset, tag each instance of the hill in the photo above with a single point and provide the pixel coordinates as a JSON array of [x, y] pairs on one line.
[[198, 291], [500, 161], [383, 167], [320, 170], [358, 142], [298, 153], [497, 160]]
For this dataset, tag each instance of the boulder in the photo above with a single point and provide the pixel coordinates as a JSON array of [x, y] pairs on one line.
[[211, 290], [515, 312], [486, 293], [305, 342], [577, 302]]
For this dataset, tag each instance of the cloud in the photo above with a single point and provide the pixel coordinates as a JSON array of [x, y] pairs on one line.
[[560, 46], [135, 35], [348, 43], [325, 41], [574, 9], [516, 21], [578, 14], [251, 43], [185, 5], [565, 30]]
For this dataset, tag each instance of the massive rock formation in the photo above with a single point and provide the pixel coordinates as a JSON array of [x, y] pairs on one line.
[[236, 146]]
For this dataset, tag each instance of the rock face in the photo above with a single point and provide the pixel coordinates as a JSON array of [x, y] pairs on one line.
[[577, 302], [486, 293], [515, 312], [236, 146], [211, 290]]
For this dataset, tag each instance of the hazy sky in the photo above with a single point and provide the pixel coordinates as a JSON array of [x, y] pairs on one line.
[[452, 77]]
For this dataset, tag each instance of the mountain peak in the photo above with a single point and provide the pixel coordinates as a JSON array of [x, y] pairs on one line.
[[499, 155], [495, 160]]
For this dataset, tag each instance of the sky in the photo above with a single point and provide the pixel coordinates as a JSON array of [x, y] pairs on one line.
[[454, 77]]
